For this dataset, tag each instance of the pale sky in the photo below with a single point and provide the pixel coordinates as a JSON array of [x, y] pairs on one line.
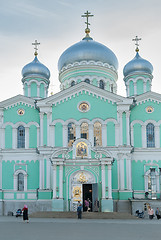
[[57, 24]]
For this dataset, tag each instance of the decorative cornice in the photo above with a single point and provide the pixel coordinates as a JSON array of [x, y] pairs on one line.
[[148, 96], [17, 100]]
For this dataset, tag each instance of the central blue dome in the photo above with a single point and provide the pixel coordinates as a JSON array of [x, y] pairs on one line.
[[87, 50]]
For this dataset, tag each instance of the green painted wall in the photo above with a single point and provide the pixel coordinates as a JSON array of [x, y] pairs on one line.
[[148, 86], [124, 128], [138, 175], [114, 175], [140, 87], [110, 134], [26, 90], [45, 129], [8, 137], [131, 88], [99, 108], [58, 135], [137, 135], [33, 89], [32, 136], [31, 114], [42, 90], [33, 174], [7, 175]]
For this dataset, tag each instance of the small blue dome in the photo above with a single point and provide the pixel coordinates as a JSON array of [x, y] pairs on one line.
[[87, 50], [137, 65], [35, 68]]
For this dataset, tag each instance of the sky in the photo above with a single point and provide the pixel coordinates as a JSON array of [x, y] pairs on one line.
[[57, 24]]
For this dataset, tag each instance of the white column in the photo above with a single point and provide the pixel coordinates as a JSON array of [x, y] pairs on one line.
[[127, 90], [29, 90], [104, 135], [14, 138], [54, 181], [77, 131], [116, 135], [128, 172], [45, 93], [25, 182], [49, 115], [52, 135], [65, 136], [157, 137], [41, 128], [103, 180], [128, 128], [41, 174], [48, 173], [38, 136], [91, 135], [109, 181], [132, 135], [144, 87], [26, 137], [144, 145], [120, 121], [61, 181], [135, 89], [0, 172], [121, 170], [38, 90]]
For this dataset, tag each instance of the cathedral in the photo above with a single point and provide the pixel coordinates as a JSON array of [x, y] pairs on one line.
[[84, 142]]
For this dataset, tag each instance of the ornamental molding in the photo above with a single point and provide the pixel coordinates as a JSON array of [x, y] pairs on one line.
[[16, 125], [148, 97], [81, 88], [37, 82], [87, 63], [156, 124], [34, 77], [134, 80], [16, 101]]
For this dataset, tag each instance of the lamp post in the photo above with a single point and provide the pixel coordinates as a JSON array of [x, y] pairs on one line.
[[153, 183]]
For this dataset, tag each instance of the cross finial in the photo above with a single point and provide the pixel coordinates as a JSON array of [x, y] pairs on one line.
[[136, 39], [36, 43], [87, 15]]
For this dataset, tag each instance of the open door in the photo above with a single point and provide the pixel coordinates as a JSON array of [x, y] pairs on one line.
[[95, 203]]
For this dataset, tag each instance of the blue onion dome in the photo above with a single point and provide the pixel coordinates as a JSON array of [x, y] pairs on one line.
[[87, 50], [35, 68], [137, 65]]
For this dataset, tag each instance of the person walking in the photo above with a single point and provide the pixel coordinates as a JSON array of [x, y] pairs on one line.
[[151, 213], [25, 214], [157, 213], [79, 210]]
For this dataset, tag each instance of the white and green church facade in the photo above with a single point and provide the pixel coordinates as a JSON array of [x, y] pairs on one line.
[[85, 141]]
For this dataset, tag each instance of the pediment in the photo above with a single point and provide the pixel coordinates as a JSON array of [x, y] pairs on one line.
[[10, 102], [148, 96]]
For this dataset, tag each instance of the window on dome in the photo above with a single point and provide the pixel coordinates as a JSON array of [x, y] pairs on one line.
[[97, 134], [150, 136], [71, 134], [84, 130], [72, 83], [101, 84], [87, 80], [21, 137], [112, 88], [20, 184]]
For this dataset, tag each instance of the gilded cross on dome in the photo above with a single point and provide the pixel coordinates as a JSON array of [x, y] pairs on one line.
[[136, 39], [87, 15], [36, 43]]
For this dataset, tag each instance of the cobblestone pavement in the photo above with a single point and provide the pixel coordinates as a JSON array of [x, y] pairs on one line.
[[74, 229]]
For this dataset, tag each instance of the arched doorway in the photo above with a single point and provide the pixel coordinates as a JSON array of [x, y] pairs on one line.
[[83, 185]]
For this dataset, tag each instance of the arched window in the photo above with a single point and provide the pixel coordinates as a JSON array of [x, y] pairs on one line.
[[84, 130], [87, 80], [150, 136], [20, 183], [112, 88], [101, 84], [72, 83], [97, 134], [21, 137], [71, 134]]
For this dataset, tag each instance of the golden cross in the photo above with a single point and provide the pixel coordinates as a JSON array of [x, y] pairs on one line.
[[87, 15], [136, 39], [36, 43]]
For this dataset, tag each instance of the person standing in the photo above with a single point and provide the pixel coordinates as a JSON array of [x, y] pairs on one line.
[[151, 213], [79, 210], [25, 213], [157, 213]]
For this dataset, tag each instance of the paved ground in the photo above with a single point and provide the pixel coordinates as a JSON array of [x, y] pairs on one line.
[[74, 229]]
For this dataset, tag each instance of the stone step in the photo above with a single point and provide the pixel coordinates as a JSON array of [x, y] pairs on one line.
[[85, 215]]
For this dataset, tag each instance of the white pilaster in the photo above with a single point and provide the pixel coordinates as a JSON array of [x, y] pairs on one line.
[[120, 131], [2, 136], [144, 145], [47, 173], [61, 181], [132, 135], [29, 90], [0, 172], [41, 128], [127, 90], [49, 119], [52, 135], [77, 131], [144, 86], [157, 137], [104, 135], [109, 182], [91, 135], [103, 180], [135, 89], [38, 136], [14, 138], [65, 135], [128, 128], [26, 137], [54, 181], [128, 172], [41, 174], [121, 170]]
